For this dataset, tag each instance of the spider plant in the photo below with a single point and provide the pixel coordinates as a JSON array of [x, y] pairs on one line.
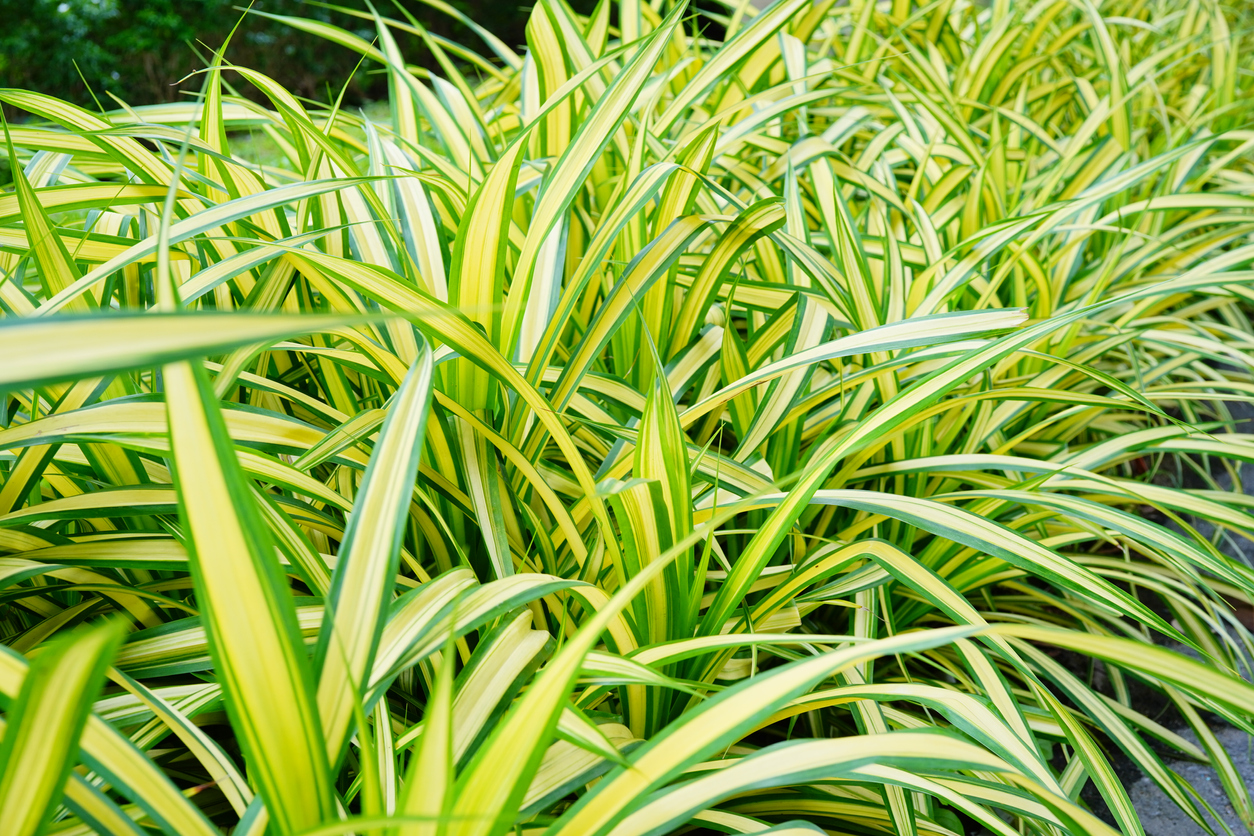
[[638, 432]]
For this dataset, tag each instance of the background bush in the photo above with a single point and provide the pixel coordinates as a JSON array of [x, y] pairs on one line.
[[138, 50]]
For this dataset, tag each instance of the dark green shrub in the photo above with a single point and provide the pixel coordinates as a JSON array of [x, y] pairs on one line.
[[138, 50]]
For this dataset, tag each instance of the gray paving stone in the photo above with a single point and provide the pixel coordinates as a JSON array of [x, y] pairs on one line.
[[1161, 817]]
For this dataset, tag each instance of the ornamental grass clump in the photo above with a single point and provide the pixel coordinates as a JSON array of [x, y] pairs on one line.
[[638, 432]]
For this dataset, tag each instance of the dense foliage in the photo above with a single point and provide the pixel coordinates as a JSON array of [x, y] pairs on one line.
[[638, 433]]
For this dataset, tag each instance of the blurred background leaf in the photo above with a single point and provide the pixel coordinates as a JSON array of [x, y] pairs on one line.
[[138, 50]]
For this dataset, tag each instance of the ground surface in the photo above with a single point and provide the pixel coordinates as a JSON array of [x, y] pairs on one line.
[[1161, 817]]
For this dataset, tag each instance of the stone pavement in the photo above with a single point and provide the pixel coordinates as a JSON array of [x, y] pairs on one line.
[[1161, 817]]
